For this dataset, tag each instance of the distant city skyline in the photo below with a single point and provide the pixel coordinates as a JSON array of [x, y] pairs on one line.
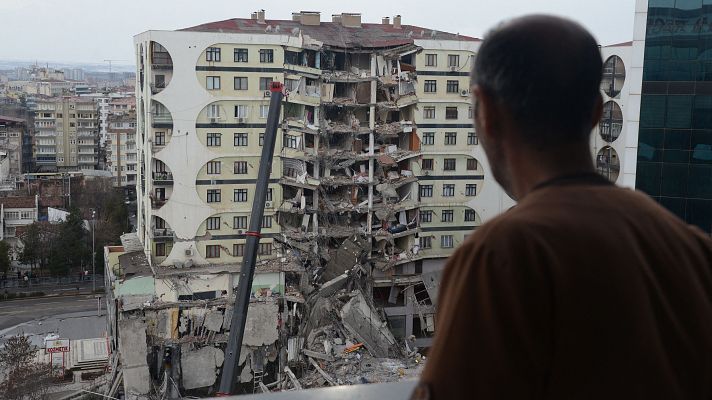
[[91, 31]]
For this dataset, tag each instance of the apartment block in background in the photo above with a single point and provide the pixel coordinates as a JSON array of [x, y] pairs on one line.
[[121, 158], [13, 132], [66, 134]]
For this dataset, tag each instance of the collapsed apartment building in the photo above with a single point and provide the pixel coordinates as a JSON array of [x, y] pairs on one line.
[[377, 177]]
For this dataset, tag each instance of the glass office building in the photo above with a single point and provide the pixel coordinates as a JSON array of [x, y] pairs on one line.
[[675, 138]]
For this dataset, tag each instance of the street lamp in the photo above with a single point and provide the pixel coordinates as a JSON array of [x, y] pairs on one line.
[[93, 251]]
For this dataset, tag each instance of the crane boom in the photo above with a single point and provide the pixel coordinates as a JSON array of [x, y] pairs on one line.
[[247, 272]]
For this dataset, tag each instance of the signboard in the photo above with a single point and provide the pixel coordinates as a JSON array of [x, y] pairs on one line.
[[57, 346]]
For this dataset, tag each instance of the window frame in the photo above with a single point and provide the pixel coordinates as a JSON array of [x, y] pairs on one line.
[[240, 80], [430, 86], [425, 191], [431, 60], [448, 190], [240, 195], [266, 56], [212, 223], [210, 81], [214, 196], [449, 164], [239, 222], [238, 53], [213, 167], [240, 139], [450, 139], [239, 167], [470, 190], [447, 216], [213, 139], [212, 251], [451, 112], [213, 54], [452, 86]]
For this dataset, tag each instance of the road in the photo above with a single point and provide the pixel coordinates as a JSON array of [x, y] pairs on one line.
[[14, 312]]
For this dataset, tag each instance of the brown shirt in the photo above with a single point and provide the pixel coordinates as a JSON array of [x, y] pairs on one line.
[[583, 291]]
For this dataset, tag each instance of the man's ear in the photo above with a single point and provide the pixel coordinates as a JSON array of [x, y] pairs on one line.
[[485, 112]]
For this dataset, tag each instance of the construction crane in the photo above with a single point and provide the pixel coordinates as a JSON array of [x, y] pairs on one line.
[[247, 272], [110, 61]]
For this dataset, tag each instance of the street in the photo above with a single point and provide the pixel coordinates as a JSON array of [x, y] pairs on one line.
[[14, 312]]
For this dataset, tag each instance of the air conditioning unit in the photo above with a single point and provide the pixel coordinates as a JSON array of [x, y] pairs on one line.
[[268, 204], [453, 68], [267, 93], [464, 93], [188, 252], [240, 231], [240, 120], [214, 120]]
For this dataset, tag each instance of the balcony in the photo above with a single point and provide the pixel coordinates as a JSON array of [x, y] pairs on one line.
[[162, 178], [162, 233]]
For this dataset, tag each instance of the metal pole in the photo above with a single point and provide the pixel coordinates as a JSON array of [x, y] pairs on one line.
[[93, 252], [244, 285]]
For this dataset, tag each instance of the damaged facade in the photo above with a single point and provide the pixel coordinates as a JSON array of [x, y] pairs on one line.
[[377, 177]]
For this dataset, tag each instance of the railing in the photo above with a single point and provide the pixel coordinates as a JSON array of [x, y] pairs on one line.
[[162, 176], [13, 282]]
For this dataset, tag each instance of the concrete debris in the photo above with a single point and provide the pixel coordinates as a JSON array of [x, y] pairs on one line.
[[261, 324], [200, 366], [363, 322]]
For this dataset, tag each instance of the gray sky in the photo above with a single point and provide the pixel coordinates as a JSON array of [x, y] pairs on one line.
[[93, 30]]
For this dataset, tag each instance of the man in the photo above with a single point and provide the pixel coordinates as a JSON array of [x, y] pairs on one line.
[[584, 290]]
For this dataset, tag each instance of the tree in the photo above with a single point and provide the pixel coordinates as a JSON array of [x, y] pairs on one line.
[[32, 245], [4, 257], [70, 248], [24, 377]]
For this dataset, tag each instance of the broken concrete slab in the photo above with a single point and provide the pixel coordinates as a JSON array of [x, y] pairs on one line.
[[365, 324], [200, 367], [213, 321], [261, 324], [137, 382]]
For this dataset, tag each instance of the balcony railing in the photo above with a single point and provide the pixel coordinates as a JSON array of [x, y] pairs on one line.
[[163, 176]]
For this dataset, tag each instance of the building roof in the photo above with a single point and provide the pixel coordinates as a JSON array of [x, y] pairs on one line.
[[369, 35], [18, 202], [11, 119]]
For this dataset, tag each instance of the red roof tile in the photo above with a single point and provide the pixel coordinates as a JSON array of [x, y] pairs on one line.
[[18, 202]]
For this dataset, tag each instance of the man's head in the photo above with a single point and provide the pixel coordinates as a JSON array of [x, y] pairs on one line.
[[536, 87]]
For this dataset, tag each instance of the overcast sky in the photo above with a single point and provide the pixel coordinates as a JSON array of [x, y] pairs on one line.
[[94, 30]]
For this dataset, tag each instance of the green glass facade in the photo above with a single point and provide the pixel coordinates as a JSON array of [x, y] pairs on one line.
[[675, 138]]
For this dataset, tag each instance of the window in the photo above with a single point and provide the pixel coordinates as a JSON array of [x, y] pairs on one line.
[[453, 86], [214, 111], [450, 112], [269, 195], [240, 111], [240, 83], [160, 139], [451, 138], [267, 221], [213, 223], [469, 112], [213, 168], [426, 216], [265, 83], [426, 242], [214, 196], [469, 215], [212, 251], [160, 250], [212, 54], [266, 55], [262, 139], [291, 141], [428, 112], [264, 110], [449, 164], [240, 195], [471, 164], [428, 138], [239, 222], [431, 86], [240, 55], [447, 242], [212, 82], [240, 139], [472, 138], [426, 191], [471, 189], [238, 249], [448, 190], [214, 139], [431, 60], [265, 249], [427, 164], [240, 167], [453, 60], [447, 216]]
